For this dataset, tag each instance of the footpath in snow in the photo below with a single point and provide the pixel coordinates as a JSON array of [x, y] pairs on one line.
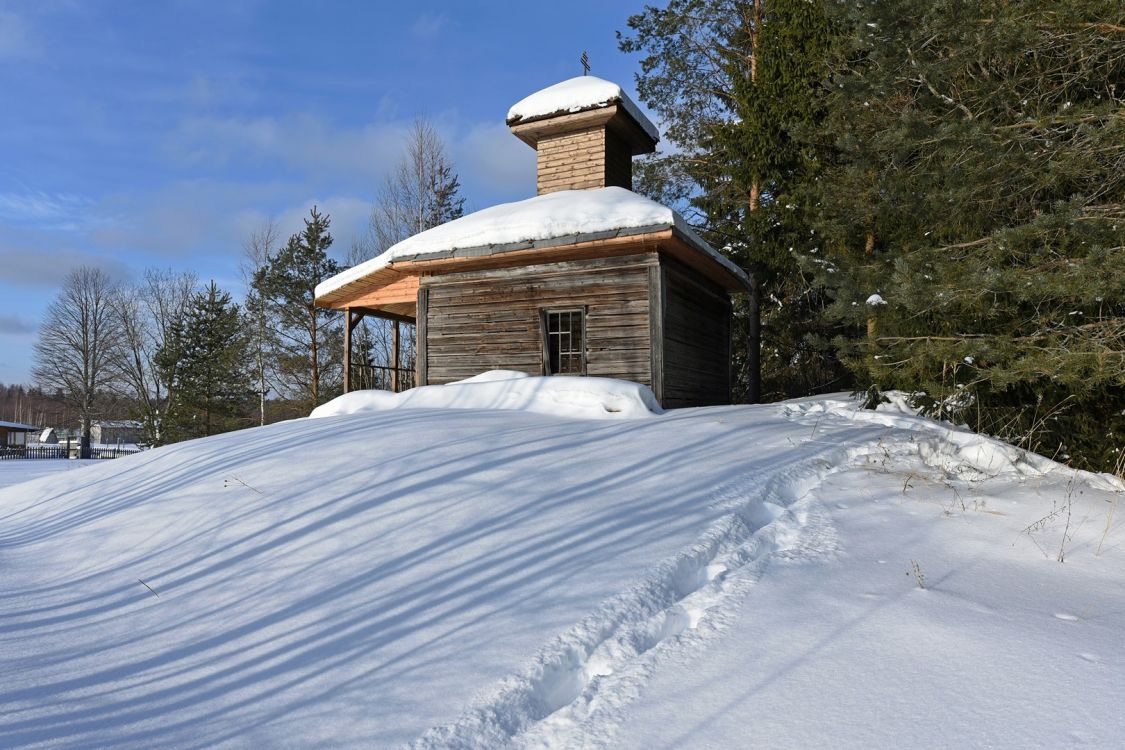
[[555, 563]]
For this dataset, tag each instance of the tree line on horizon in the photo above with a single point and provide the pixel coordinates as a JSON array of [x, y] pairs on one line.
[[187, 360]]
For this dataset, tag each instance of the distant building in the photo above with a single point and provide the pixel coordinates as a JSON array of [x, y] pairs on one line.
[[49, 436], [111, 432], [14, 434]]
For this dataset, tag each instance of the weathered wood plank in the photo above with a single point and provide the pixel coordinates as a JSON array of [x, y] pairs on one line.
[[348, 316], [614, 287], [622, 280], [696, 339], [484, 319], [591, 165], [656, 329], [548, 269], [603, 296], [421, 353]]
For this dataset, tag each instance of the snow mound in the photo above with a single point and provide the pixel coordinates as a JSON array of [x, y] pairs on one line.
[[464, 579], [580, 398], [576, 95], [953, 449]]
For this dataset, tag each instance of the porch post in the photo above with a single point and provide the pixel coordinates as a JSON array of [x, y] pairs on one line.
[[347, 350], [394, 357], [351, 321]]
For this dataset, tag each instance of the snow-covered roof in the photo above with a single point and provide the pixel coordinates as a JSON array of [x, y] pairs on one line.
[[18, 426], [550, 220], [577, 95]]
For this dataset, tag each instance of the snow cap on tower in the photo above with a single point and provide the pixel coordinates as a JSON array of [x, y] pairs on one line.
[[586, 131]]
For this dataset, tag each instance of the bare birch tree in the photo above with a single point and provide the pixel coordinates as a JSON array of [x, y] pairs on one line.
[[256, 251], [79, 343], [147, 315], [419, 193]]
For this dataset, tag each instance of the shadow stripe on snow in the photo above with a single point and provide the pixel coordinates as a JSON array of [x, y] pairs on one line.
[[600, 664]]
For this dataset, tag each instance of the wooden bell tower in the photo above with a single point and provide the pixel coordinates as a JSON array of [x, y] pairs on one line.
[[592, 148]]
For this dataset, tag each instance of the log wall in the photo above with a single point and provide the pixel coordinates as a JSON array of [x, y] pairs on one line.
[[695, 345], [483, 320], [578, 160]]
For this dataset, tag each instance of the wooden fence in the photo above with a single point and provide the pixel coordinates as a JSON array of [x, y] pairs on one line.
[[61, 451]]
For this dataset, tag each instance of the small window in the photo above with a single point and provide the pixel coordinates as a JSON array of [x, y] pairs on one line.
[[564, 342]]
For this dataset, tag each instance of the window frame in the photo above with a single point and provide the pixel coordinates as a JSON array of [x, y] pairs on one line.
[[545, 314]]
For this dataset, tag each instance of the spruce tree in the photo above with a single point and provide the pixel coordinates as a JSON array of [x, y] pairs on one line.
[[208, 359], [977, 187], [306, 341]]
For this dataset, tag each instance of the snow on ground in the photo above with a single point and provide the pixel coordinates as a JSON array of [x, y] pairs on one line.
[[798, 574], [15, 471]]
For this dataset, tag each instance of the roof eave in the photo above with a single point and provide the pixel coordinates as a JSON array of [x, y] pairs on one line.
[[733, 278], [677, 239], [614, 114]]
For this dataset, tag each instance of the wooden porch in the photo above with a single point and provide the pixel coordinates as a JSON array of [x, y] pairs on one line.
[[364, 376]]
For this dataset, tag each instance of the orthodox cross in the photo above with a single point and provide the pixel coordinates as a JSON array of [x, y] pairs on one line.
[[585, 60]]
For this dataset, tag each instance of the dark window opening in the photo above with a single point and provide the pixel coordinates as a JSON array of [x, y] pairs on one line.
[[564, 335]]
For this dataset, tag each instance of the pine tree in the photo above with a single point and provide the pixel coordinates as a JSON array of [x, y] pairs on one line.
[[737, 82], [208, 360], [305, 340], [977, 186]]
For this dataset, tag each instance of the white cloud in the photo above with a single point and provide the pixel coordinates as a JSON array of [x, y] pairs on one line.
[[430, 25], [44, 266], [53, 211], [16, 39], [349, 217], [193, 219], [304, 142], [14, 325], [490, 157], [333, 159], [203, 223]]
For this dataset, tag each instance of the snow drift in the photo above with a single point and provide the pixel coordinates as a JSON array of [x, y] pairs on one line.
[[582, 398]]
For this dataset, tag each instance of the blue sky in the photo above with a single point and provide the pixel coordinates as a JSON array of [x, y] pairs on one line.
[[137, 134]]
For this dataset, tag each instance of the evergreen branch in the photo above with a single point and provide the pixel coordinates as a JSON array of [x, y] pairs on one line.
[[971, 243], [944, 97], [1111, 27]]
